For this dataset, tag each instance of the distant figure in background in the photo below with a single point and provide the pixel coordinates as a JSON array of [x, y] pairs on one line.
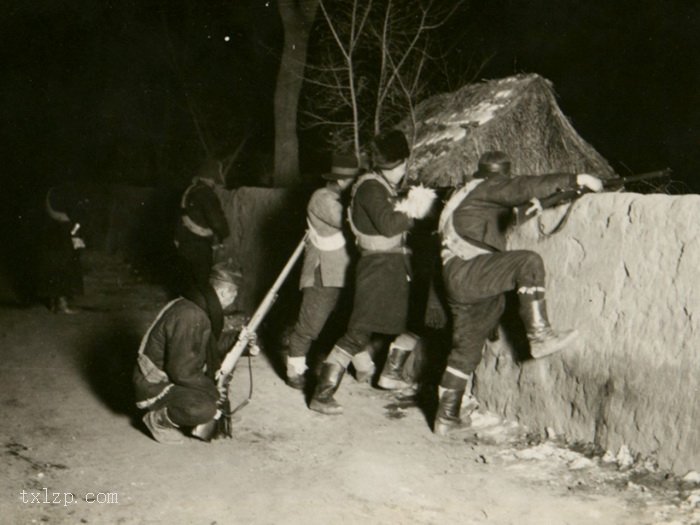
[[380, 222], [60, 275], [326, 262], [478, 270], [202, 225], [179, 355]]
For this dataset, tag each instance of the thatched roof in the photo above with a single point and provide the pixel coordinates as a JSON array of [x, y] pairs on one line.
[[518, 115]]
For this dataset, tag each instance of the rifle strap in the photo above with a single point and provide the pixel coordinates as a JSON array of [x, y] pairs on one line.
[[559, 226], [250, 390]]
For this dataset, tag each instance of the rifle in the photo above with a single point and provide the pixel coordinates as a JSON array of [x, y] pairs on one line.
[[221, 423], [527, 211]]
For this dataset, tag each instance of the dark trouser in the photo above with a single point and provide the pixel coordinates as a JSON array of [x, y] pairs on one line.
[[59, 268], [317, 304], [187, 407], [380, 303], [195, 261], [355, 340], [475, 291]]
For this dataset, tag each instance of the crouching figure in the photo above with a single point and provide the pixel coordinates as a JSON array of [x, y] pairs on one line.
[[179, 354]]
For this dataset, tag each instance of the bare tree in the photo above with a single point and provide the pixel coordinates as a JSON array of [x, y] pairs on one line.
[[371, 65], [297, 18]]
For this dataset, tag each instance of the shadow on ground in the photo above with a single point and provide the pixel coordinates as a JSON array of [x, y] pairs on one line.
[[108, 360]]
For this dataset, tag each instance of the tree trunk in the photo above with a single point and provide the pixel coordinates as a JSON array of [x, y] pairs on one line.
[[297, 19]]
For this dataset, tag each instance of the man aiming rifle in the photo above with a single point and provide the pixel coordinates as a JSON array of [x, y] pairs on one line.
[[478, 270], [526, 212]]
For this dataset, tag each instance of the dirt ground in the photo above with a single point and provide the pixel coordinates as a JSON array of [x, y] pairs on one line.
[[72, 449]]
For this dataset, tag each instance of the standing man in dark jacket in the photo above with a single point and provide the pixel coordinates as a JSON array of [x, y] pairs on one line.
[[60, 273], [326, 262], [202, 225], [477, 271], [179, 355], [382, 275]]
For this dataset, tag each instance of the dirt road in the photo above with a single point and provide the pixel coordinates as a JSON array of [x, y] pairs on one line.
[[74, 451]]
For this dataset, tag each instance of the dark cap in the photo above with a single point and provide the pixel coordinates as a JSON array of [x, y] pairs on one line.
[[389, 149], [492, 162]]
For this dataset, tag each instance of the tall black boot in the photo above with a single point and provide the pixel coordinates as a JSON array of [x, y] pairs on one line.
[[392, 377], [543, 339], [328, 382], [447, 417]]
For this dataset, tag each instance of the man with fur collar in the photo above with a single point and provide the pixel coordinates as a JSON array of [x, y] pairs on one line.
[[380, 222]]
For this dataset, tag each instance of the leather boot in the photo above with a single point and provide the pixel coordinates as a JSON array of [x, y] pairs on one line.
[[364, 366], [543, 339], [447, 417], [162, 428], [328, 382], [392, 378]]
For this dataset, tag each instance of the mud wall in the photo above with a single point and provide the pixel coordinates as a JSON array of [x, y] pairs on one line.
[[266, 225], [624, 271]]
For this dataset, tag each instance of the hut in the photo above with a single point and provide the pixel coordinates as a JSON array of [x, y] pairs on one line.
[[518, 115]]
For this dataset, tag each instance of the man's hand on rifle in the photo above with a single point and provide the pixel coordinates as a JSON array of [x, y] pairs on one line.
[[253, 347], [535, 207], [235, 321], [591, 182]]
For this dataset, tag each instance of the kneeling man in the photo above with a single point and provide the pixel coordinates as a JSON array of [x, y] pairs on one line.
[[179, 355]]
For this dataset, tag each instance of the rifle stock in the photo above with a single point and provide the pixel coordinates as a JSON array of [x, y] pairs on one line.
[[525, 212], [221, 424]]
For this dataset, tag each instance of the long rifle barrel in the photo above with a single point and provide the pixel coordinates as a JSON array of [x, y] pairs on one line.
[[251, 327], [621, 181], [526, 212], [221, 423]]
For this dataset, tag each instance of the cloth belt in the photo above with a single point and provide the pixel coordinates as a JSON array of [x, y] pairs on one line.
[[195, 228], [452, 244], [375, 243], [326, 243]]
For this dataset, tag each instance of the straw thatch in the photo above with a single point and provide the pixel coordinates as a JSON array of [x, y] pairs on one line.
[[518, 115]]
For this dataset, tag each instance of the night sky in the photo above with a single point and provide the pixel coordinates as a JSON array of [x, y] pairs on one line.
[[96, 90]]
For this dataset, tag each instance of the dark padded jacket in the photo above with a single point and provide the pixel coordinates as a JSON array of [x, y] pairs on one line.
[[484, 214], [182, 347], [381, 279]]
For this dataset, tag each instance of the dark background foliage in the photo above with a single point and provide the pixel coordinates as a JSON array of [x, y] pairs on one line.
[[109, 91]]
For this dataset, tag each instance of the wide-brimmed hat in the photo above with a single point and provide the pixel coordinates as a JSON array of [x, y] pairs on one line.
[[343, 166]]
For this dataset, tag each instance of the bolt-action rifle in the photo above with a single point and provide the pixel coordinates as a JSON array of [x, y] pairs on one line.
[[526, 212], [220, 425]]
